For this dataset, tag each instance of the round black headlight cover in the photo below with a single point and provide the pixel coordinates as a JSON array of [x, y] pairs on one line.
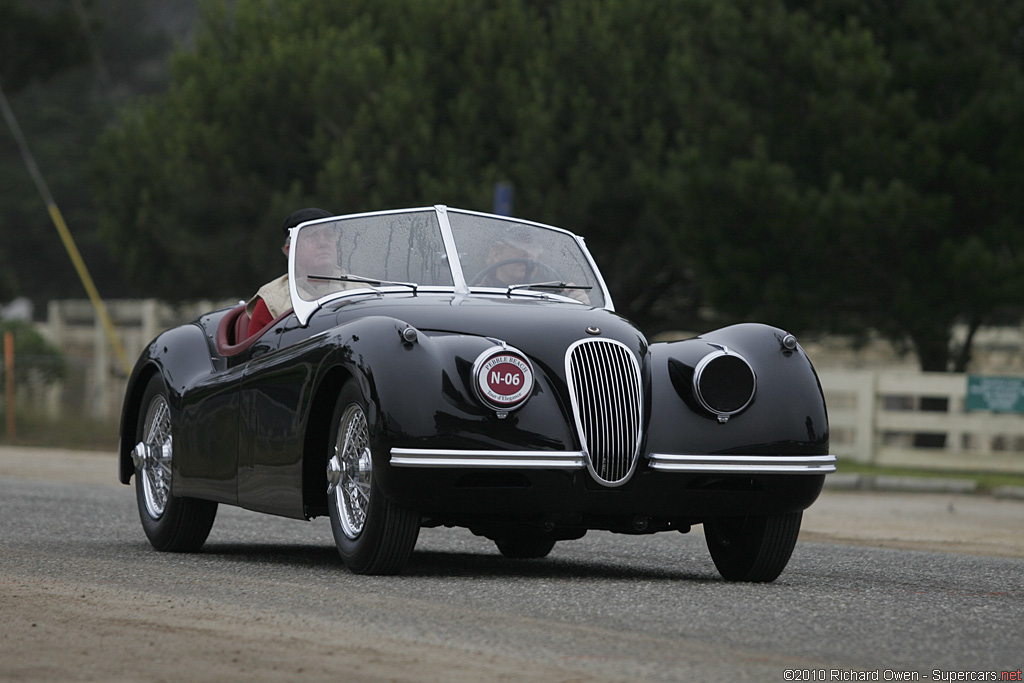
[[724, 383]]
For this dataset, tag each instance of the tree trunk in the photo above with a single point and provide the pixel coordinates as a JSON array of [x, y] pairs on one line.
[[963, 356], [932, 351]]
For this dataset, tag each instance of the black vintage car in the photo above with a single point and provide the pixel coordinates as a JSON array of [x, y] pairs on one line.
[[442, 367]]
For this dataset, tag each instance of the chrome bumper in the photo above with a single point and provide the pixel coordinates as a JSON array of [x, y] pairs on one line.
[[743, 464], [577, 460], [534, 460]]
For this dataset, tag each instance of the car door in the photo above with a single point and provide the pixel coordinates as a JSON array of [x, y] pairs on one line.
[[275, 392]]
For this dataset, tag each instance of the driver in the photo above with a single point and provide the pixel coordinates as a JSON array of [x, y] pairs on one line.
[[273, 298], [516, 265]]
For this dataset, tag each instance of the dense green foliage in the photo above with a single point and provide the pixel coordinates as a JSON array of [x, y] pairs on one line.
[[834, 165], [33, 46], [36, 41], [931, 232], [65, 74]]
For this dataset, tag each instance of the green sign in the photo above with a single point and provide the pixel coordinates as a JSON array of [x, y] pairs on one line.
[[995, 394]]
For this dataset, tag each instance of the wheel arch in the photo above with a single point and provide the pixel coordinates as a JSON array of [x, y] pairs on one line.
[[362, 346], [179, 355], [130, 413], [315, 441]]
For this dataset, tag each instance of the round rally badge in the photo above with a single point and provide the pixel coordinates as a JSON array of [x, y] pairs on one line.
[[504, 378]]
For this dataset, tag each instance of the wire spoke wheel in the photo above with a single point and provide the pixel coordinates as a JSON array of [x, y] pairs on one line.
[[353, 460], [156, 470], [374, 535], [172, 523]]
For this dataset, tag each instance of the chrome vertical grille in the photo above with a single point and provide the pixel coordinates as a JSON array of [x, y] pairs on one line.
[[607, 403]]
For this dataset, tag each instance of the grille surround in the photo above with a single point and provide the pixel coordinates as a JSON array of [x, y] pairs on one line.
[[606, 393]]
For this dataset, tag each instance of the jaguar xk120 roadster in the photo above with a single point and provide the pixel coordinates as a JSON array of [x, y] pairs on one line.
[[442, 367]]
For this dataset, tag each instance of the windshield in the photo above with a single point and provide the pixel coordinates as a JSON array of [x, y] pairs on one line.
[[500, 253], [438, 249]]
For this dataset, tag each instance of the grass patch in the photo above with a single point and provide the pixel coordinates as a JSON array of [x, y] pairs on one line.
[[986, 480], [74, 432]]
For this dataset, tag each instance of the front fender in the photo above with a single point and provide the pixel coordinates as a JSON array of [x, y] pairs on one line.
[[786, 416], [420, 394], [179, 355]]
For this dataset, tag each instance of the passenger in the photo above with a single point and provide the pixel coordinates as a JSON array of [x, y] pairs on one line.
[[273, 298], [508, 264], [515, 264]]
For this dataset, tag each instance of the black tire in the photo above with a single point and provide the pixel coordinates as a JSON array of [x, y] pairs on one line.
[[525, 547], [754, 549], [373, 534], [172, 523]]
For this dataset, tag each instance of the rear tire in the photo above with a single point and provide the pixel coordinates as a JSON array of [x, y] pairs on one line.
[[373, 534], [171, 523], [754, 549]]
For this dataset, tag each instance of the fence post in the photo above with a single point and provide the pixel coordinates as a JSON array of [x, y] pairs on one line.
[[9, 382], [868, 416]]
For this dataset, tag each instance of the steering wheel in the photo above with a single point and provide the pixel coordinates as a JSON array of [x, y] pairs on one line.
[[530, 263]]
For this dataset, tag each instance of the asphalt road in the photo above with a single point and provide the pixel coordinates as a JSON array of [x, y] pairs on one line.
[[84, 597]]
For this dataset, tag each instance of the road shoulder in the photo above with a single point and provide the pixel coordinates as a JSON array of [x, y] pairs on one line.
[[943, 522]]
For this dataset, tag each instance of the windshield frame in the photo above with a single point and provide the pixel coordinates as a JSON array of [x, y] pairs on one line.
[[304, 308]]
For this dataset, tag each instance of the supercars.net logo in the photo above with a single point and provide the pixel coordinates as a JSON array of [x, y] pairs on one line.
[[895, 675]]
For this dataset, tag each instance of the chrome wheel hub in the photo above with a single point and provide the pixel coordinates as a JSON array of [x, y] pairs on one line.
[[152, 457], [350, 470]]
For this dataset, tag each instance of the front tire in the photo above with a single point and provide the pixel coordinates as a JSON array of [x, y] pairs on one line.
[[172, 524], [754, 549], [525, 547], [373, 534]]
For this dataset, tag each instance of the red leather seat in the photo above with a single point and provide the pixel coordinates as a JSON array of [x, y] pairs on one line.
[[233, 331], [241, 327]]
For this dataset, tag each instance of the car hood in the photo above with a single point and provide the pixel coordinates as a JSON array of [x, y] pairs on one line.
[[526, 323]]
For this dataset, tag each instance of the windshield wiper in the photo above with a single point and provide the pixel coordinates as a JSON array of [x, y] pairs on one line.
[[555, 284], [365, 280]]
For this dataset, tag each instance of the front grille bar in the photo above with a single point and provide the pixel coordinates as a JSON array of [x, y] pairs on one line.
[[607, 404]]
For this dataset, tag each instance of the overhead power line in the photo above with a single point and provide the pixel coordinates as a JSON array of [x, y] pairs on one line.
[[102, 73], [62, 230]]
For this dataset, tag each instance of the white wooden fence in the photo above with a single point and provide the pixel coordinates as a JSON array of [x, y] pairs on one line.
[[902, 418], [96, 380], [886, 417]]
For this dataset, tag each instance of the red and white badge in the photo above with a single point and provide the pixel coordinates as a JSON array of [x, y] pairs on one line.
[[504, 378]]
